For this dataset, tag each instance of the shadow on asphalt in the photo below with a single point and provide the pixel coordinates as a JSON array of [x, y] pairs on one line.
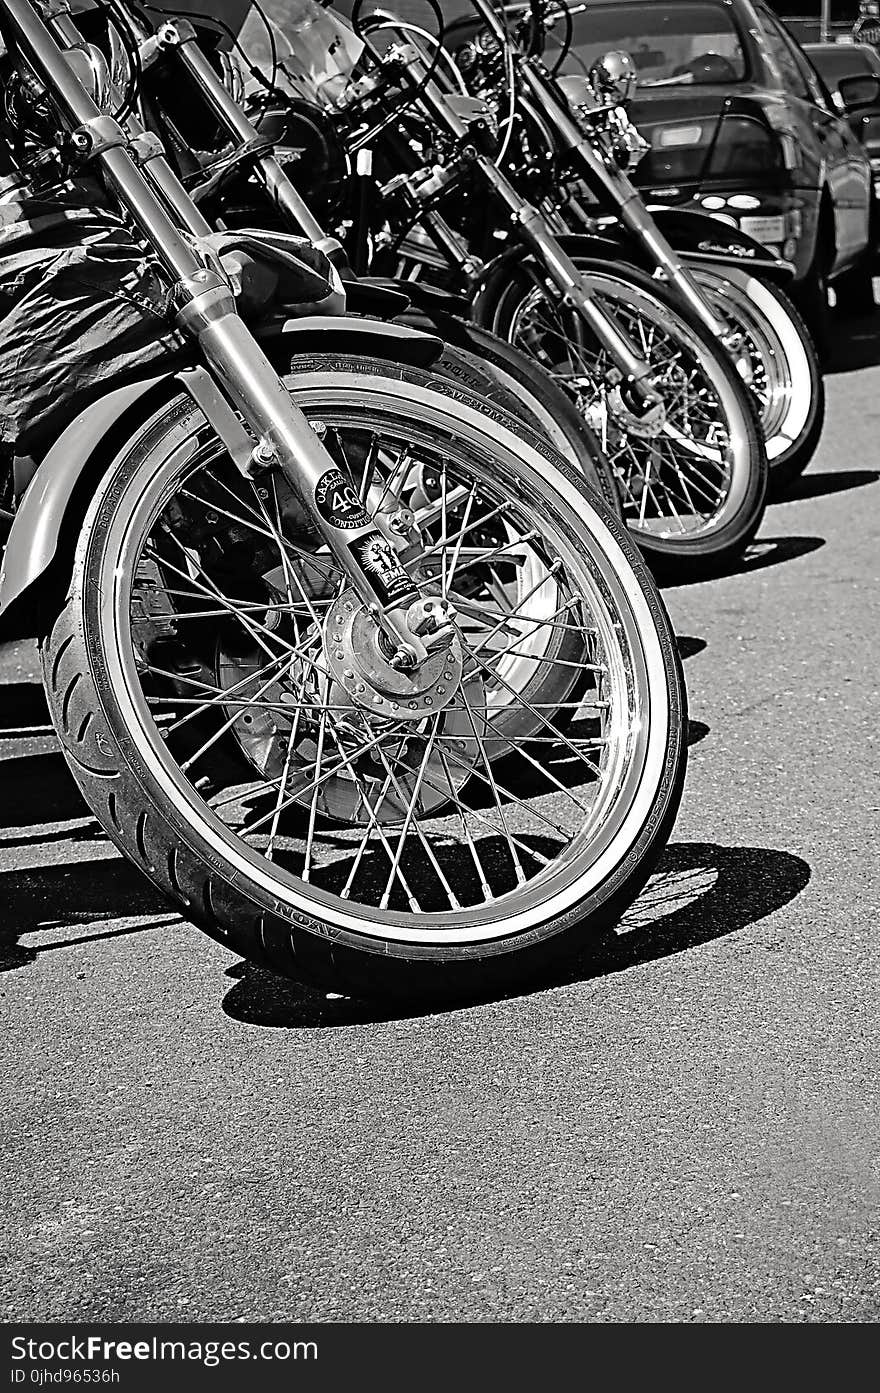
[[766, 551], [821, 485], [91, 893], [22, 703], [855, 343], [689, 646], [37, 789], [700, 893]]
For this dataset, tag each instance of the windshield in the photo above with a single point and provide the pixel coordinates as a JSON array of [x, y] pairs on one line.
[[300, 45], [671, 45], [847, 61]]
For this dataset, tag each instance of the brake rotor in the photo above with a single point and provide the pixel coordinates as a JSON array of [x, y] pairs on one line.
[[363, 742]]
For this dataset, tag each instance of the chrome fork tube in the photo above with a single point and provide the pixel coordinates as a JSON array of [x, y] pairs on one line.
[[206, 310], [180, 37], [574, 288], [625, 196], [150, 154]]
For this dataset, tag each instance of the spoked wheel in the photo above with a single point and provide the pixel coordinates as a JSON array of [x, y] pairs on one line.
[[692, 486], [781, 366], [230, 712], [534, 396]]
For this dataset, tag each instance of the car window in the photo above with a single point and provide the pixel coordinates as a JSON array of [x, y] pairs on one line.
[[684, 43], [845, 60], [796, 72]]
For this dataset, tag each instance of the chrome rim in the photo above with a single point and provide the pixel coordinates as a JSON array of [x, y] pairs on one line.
[[679, 481], [440, 827], [780, 376]]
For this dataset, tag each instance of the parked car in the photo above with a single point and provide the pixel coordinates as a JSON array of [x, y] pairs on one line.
[[740, 124], [851, 72]]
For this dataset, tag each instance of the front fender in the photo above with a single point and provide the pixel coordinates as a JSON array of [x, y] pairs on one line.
[[696, 237], [701, 239], [372, 338], [37, 528], [56, 494], [495, 277]]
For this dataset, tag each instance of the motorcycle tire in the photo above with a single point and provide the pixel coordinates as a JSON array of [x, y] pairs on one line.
[[531, 394], [694, 491], [784, 372], [193, 693]]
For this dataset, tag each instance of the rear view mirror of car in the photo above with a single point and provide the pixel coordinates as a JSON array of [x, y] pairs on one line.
[[858, 92]]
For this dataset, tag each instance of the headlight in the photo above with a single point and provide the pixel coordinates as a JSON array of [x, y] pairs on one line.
[[741, 147]]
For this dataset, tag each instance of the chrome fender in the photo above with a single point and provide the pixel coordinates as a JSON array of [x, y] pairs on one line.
[[703, 240]]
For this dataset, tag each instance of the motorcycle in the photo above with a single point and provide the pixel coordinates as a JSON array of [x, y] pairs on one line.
[[574, 148], [177, 75], [355, 669], [430, 200]]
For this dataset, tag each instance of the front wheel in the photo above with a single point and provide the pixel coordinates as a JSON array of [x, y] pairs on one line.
[[540, 400], [781, 365], [228, 710], [693, 486]]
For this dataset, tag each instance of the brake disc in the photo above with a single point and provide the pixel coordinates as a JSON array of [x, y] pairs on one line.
[[401, 742]]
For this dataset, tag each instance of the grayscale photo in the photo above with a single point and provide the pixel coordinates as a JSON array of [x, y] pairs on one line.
[[439, 447]]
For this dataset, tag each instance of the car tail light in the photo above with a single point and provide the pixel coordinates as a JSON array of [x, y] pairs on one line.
[[737, 147]]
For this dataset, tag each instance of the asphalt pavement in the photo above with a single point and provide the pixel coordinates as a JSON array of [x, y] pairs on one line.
[[688, 1132]]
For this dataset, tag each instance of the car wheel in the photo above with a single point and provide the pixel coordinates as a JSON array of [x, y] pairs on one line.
[[811, 298], [854, 291]]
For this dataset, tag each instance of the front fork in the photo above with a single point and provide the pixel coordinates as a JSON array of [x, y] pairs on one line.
[[628, 204], [635, 217], [574, 288], [576, 291], [206, 311], [180, 37]]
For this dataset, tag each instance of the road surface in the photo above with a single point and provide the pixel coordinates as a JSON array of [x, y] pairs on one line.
[[688, 1132]]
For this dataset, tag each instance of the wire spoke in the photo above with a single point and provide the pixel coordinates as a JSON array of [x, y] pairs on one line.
[[462, 806]]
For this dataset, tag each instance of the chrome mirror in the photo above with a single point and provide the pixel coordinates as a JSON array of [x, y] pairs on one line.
[[93, 71], [613, 77]]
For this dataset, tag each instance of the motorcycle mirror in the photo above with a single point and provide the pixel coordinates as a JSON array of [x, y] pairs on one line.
[[613, 77], [93, 71]]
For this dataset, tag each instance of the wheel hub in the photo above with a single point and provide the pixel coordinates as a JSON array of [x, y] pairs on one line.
[[361, 682], [604, 405], [357, 658], [645, 426]]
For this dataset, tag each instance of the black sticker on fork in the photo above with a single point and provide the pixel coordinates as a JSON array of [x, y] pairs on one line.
[[338, 501], [379, 562]]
